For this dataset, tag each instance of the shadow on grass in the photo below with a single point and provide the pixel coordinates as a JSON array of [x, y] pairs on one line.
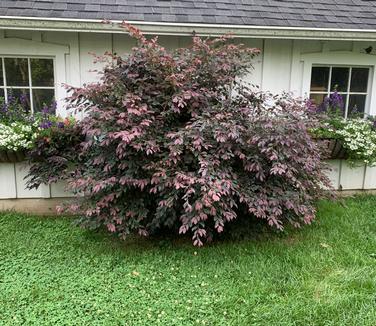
[[241, 231], [238, 233]]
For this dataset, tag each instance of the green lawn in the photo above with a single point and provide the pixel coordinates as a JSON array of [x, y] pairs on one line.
[[53, 273]]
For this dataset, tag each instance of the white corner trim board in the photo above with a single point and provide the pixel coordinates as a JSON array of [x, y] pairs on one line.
[[159, 28]]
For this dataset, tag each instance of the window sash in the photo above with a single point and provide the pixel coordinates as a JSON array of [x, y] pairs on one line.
[[347, 93], [30, 88]]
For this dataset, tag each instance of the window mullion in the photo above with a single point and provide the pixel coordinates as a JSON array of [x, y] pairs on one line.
[[330, 80], [348, 93], [5, 80], [30, 86]]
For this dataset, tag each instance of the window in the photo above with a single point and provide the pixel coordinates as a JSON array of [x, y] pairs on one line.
[[350, 82], [30, 78]]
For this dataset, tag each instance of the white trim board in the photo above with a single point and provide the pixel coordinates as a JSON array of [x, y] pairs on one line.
[[184, 29]]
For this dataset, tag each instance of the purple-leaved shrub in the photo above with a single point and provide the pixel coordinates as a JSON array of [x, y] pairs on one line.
[[174, 139]]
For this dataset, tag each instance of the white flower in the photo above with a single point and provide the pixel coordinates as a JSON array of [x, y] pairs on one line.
[[16, 136], [360, 138]]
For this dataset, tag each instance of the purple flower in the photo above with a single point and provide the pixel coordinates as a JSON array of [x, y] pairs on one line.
[[336, 101], [60, 124], [11, 98], [332, 104], [4, 108], [324, 106], [45, 109], [53, 106], [24, 100], [45, 125]]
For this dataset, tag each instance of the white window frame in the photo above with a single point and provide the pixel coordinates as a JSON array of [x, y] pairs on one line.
[[5, 87], [15, 47], [347, 92], [344, 59]]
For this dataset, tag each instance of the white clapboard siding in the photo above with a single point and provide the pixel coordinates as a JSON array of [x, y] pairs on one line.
[[346, 177], [7, 181], [12, 182], [334, 173], [22, 170], [370, 178], [59, 190], [351, 178]]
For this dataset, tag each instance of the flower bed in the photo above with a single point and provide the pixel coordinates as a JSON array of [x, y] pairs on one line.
[[15, 139], [19, 130], [352, 138]]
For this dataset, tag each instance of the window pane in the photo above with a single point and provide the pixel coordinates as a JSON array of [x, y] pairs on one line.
[[16, 70], [1, 73], [357, 104], [317, 99], [359, 80], [320, 79], [2, 92], [340, 79], [42, 72], [22, 94], [42, 97]]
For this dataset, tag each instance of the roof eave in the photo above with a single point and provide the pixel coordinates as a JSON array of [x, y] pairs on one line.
[[183, 29]]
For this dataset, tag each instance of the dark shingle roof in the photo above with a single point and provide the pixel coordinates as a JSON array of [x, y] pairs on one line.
[[345, 14]]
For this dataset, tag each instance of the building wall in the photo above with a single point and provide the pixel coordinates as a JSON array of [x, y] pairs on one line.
[[284, 65]]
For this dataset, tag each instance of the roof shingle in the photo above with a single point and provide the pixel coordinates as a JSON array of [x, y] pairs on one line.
[[351, 14]]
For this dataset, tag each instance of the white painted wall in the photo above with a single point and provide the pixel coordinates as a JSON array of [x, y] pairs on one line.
[[12, 183], [284, 65]]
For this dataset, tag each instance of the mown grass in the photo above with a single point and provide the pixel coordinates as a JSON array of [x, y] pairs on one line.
[[52, 273]]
